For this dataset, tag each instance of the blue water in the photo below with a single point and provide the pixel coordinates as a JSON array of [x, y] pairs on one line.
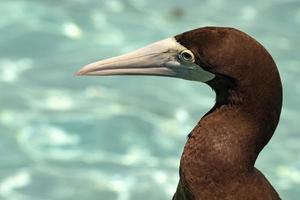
[[120, 138]]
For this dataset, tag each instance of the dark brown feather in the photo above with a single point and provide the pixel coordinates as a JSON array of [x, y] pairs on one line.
[[219, 156]]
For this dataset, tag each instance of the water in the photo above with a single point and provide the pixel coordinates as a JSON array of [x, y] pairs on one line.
[[120, 138]]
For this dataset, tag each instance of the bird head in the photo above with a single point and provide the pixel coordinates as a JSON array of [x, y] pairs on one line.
[[213, 55]]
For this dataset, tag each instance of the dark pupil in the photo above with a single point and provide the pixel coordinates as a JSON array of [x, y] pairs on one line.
[[186, 56]]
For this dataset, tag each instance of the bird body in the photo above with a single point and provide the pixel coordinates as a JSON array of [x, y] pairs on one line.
[[219, 156], [218, 164]]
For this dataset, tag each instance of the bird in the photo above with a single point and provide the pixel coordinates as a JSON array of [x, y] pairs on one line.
[[218, 160]]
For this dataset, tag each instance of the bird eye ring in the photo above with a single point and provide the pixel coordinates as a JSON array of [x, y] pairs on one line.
[[187, 56]]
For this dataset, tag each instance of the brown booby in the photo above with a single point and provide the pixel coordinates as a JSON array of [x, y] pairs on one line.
[[219, 156]]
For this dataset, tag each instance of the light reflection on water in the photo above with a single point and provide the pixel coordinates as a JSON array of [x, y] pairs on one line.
[[120, 138]]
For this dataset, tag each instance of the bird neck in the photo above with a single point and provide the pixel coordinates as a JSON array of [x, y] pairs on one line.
[[226, 142]]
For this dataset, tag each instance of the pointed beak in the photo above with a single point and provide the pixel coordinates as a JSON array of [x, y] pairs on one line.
[[158, 59]]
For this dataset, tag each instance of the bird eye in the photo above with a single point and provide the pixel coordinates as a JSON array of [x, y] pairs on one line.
[[187, 56]]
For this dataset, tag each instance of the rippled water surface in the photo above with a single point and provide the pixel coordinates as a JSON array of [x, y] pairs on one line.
[[120, 138]]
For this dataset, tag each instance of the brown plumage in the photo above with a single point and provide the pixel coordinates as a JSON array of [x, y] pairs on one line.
[[218, 159], [219, 156]]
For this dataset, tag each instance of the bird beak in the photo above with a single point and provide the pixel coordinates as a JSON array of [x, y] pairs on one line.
[[158, 59]]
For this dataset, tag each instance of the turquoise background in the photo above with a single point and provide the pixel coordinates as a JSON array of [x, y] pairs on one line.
[[120, 138]]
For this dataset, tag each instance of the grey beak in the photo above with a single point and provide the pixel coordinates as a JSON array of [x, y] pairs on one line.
[[158, 59]]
